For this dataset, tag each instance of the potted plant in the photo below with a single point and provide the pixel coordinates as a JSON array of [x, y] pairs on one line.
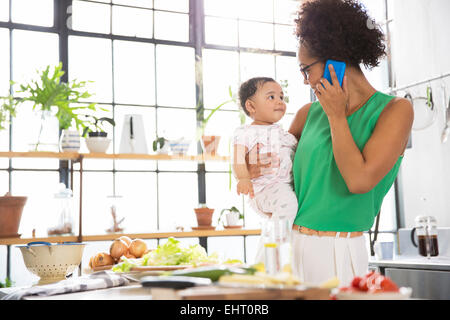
[[232, 217], [52, 97], [210, 143], [11, 209], [204, 215], [97, 139], [161, 145]]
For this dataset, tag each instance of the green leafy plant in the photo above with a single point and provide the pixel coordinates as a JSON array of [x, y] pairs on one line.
[[49, 91], [232, 209], [8, 107], [161, 141], [95, 124], [8, 283]]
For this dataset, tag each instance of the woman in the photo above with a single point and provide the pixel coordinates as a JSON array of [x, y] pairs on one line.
[[351, 142]]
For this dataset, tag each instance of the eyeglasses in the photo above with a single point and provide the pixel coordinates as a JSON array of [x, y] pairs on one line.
[[304, 70]]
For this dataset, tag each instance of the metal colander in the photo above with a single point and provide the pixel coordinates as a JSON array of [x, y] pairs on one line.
[[52, 262]]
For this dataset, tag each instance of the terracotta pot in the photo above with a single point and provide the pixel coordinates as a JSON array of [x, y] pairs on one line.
[[204, 216], [10, 214], [210, 144]]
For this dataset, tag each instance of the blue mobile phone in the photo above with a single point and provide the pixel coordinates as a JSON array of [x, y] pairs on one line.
[[339, 68]]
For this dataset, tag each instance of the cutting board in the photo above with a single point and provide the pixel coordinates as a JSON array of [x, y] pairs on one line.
[[224, 293]]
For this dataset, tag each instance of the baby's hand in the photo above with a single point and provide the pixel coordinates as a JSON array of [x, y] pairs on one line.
[[245, 186]]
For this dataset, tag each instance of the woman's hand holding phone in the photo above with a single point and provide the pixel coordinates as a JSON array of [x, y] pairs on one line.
[[333, 97]]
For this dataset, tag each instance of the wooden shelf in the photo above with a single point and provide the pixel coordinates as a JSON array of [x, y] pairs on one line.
[[119, 156], [153, 235]]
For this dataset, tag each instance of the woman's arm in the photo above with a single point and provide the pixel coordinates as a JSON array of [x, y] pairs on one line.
[[363, 170]]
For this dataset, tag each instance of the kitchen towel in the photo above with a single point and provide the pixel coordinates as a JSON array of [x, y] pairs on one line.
[[97, 280]]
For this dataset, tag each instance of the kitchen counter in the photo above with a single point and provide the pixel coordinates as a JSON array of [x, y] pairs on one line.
[[414, 262], [134, 291]]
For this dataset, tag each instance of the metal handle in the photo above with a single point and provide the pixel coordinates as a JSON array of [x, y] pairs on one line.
[[48, 244], [413, 231]]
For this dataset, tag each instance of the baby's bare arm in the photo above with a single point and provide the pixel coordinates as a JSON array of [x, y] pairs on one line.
[[244, 186]]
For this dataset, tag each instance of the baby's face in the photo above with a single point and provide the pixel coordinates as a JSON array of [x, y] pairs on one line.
[[268, 104]]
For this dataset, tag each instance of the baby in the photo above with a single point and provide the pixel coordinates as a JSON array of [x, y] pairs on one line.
[[272, 194]]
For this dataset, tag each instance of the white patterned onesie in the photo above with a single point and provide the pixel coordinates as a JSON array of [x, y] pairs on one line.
[[273, 192]]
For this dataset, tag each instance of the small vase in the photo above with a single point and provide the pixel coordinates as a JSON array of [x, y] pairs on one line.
[[210, 144], [70, 141]]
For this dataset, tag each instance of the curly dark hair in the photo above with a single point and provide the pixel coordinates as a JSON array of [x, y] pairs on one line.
[[340, 30], [249, 88]]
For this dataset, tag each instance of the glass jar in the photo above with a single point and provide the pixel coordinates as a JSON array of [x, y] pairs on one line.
[[276, 236], [64, 212]]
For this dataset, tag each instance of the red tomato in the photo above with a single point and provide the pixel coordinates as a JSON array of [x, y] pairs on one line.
[[355, 282], [388, 285]]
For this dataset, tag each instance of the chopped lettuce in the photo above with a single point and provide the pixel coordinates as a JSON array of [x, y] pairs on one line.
[[172, 253], [126, 265]]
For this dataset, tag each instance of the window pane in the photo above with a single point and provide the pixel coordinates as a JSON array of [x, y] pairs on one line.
[[4, 10], [36, 12], [222, 8], [139, 201], [4, 62], [175, 124], [285, 39], [215, 89], [4, 145], [249, 35], [132, 22], [227, 247], [148, 117], [92, 65], [297, 91], [4, 182], [91, 17], [214, 34], [219, 196], [183, 188], [175, 77], [135, 3], [173, 5], [256, 65], [26, 64], [285, 11], [39, 187], [171, 26], [97, 186], [134, 79], [261, 10]]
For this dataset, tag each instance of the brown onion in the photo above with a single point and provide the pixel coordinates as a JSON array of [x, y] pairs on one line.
[[100, 260], [128, 255], [118, 249], [138, 248], [126, 239]]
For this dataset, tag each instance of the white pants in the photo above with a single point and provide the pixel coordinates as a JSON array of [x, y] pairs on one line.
[[317, 259]]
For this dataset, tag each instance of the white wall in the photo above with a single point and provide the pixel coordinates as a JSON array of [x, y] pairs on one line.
[[421, 50]]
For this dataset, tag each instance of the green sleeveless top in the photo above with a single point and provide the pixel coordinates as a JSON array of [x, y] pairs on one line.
[[324, 202]]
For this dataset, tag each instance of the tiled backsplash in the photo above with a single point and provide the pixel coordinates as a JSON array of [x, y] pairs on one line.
[[406, 248]]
